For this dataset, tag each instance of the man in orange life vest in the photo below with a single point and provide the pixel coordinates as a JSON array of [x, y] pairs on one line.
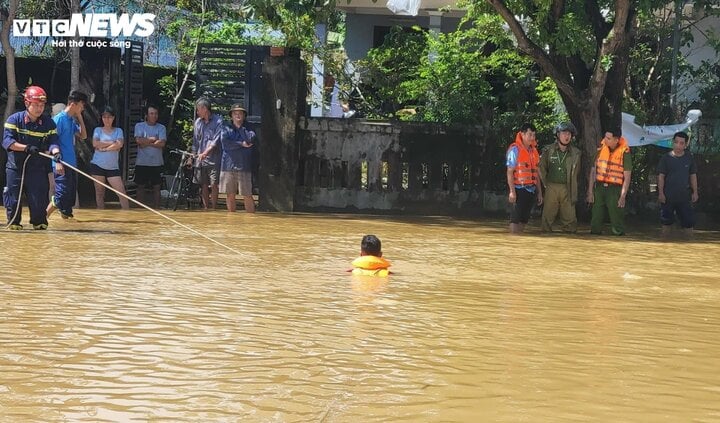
[[609, 183], [522, 177], [370, 262]]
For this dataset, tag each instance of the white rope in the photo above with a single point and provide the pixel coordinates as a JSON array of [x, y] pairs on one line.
[[196, 232]]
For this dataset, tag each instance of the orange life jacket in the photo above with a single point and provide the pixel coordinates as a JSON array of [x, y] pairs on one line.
[[609, 164], [370, 266], [526, 171]]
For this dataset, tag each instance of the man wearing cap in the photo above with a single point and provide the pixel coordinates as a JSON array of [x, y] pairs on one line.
[[237, 159], [28, 133], [559, 167], [206, 144], [609, 183]]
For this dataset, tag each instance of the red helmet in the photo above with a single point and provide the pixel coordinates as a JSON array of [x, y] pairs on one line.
[[34, 93]]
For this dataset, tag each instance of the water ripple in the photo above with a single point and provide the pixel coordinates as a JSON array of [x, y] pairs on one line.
[[149, 323]]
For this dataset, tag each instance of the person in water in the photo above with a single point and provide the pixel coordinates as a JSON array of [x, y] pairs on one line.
[[370, 262]]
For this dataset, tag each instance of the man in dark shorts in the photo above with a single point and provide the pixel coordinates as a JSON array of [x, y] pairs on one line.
[[677, 186], [522, 177], [207, 130], [150, 137]]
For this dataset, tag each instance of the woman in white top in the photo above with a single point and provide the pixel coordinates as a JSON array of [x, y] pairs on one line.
[[107, 141]]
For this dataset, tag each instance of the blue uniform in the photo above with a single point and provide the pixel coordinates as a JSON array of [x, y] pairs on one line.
[[66, 184], [42, 134]]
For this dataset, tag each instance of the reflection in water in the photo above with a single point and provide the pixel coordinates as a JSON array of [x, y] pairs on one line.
[[120, 316]]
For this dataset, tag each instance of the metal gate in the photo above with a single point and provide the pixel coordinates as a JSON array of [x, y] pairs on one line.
[[230, 74], [132, 110]]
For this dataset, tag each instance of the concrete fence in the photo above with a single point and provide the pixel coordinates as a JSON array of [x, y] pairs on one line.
[[423, 168]]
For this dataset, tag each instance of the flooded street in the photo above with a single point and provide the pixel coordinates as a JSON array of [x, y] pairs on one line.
[[122, 316]]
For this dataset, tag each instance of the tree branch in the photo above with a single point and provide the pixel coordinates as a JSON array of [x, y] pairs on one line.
[[599, 26], [8, 16], [618, 36], [556, 10], [527, 46]]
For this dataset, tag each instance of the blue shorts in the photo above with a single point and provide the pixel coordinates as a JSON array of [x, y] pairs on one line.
[[684, 212]]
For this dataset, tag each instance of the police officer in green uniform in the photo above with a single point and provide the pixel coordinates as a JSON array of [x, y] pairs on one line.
[[559, 167], [609, 183]]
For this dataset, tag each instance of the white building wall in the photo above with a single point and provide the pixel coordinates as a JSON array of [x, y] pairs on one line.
[[360, 29], [698, 52]]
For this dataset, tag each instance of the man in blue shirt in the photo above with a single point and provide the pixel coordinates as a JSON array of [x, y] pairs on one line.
[[523, 180], [69, 122], [237, 160], [206, 144], [27, 133]]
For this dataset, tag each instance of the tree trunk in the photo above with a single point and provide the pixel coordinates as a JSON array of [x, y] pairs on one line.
[[188, 71], [12, 89], [588, 121], [178, 95], [589, 136], [614, 90], [75, 53]]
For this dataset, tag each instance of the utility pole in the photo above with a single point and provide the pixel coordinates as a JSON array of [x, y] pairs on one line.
[[75, 52], [679, 4]]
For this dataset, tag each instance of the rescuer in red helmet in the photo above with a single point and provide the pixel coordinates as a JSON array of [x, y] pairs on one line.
[[26, 134]]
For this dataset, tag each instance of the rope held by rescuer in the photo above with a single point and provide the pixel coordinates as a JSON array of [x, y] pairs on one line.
[[182, 225]]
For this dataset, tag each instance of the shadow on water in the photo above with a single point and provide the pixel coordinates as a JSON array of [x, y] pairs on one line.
[[76, 231], [92, 231], [639, 229], [444, 221], [124, 221], [641, 233]]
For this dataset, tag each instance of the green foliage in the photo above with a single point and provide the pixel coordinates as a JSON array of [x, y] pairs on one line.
[[650, 70], [39, 9], [573, 36], [168, 87], [707, 76], [185, 108], [549, 107], [184, 127], [469, 76], [242, 33], [606, 62], [296, 19], [452, 82], [386, 68]]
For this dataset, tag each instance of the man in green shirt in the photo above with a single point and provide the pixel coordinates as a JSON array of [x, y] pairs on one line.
[[559, 167]]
